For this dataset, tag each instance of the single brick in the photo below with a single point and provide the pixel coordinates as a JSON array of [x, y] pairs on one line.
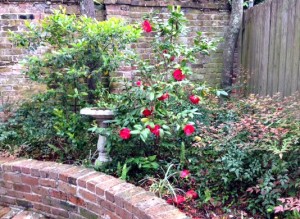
[[65, 187], [60, 212], [67, 206], [81, 181], [40, 190], [123, 213], [87, 214], [123, 196], [48, 183], [110, 193], [29, 180], [106, 185], [23, 203], [12, 177], [33, 197], [86, 195], [76, 200], [58, 194], [22, 188], [91, 184]]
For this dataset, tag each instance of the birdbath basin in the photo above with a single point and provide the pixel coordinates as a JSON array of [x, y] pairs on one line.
[[101, 116]]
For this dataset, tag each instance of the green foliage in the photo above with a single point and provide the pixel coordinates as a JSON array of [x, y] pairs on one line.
[[79, 53], [249, 154], [155, 75]]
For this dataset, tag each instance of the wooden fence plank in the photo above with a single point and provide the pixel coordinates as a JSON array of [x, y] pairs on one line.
[[290, 48], [272, 41], [283, 49], [296, 56], [266, 10]]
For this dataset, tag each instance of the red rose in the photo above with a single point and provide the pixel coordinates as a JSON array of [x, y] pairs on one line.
[[164, 97], [172, 58], [154, 130], [147, 26], [194, 99], [170, 201], [178, 76], [147, 112], [138, 83], [179, 199], [189, 129], [191, 194], [165, 51], [125, 133], [184, 173]]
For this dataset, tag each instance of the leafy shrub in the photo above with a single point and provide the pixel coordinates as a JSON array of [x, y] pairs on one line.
[[80, 54], [154, 114], [248, 156]]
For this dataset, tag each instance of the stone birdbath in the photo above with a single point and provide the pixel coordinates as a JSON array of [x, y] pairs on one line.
[[102, 116]]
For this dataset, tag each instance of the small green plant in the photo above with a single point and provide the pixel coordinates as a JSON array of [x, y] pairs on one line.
[[163, 186]]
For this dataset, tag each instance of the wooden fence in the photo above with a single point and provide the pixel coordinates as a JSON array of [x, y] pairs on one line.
[[270, 47]]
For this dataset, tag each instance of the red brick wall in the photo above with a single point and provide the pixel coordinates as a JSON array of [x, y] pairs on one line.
[[13, 13], [209, 16], [65, 191]]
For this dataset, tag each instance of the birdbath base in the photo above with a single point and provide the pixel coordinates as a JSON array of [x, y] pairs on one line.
[[101, 117]]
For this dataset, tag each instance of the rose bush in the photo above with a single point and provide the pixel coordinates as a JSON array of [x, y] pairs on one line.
[[159, 105]]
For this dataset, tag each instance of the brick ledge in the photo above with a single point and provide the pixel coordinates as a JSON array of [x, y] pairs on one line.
[[65, 191]]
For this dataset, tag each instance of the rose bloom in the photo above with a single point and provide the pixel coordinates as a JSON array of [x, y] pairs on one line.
[[191, 194], [125, 133], [172, 58], [178, 75], [184, 173], [179, 199], [164, 97], [147, 26], [138, 83], [154, 130], [147, 112], [194, 99], [189, 129]]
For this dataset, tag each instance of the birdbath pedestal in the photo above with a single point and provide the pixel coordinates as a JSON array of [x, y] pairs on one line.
[[101, 116]]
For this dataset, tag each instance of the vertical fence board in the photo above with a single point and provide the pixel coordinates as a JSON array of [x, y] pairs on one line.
[[289, 47], [296, 57], [283, 49], [272, 40], [266, 10], [270, 51]]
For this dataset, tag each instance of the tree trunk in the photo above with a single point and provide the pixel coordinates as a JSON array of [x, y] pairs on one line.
[[87, 8], [231, 38]]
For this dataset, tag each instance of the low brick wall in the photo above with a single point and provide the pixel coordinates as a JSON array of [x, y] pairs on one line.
[[65, 191]]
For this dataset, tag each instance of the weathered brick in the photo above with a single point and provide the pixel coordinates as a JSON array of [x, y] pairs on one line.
[[76, 200], [81, 181], [86, 195], [67, 188], [22, 188], [87, 214], [60, 212], [29, 180], [48, 183]]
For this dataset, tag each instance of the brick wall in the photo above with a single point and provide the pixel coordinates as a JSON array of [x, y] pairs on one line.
[[13, 13], [65, 191], [209, 16]]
